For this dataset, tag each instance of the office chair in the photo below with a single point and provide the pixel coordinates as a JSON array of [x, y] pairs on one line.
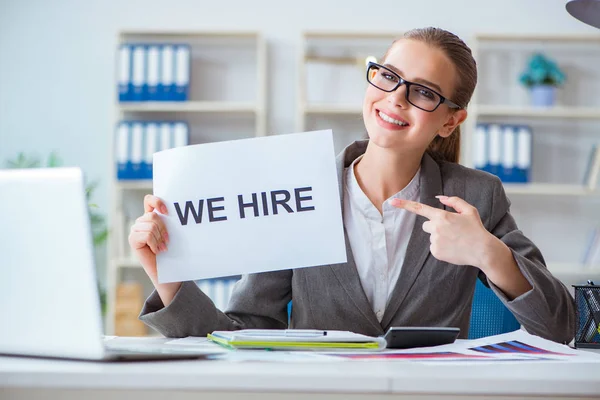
[[488, 315]]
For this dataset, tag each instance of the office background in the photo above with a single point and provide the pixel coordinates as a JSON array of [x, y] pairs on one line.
[[58, 73]]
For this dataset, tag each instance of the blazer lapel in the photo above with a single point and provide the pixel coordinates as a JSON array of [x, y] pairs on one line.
[[346, 273], [348, 277], [418, 245]]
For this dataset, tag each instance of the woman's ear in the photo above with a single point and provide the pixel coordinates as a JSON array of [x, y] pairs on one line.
[[456, 118]]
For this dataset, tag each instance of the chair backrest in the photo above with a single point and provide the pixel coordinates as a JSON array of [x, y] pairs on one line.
[[488, 315]]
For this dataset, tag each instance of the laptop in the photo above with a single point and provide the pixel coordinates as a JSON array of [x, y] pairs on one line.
[[48, 286]]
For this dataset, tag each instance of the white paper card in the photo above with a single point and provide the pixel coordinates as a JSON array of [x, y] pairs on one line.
[[251, 205]]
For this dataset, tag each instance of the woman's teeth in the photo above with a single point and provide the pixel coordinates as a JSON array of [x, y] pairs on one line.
[[391, 120]]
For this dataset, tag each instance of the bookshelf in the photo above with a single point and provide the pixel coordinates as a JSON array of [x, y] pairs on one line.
[[331, 81], [227, 100], [557, 209]]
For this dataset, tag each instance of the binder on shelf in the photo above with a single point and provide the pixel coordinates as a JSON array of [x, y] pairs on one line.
[[182, 72], [180, 134], [508, 154], [480, 157], [524, 138], [153, 74], [139, 73], [137, 141], [166, 83], [495, 150], [125, 84], [122, 151], [166, 137], [150, 147]]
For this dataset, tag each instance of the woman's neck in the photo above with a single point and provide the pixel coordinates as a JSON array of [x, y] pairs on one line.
[[381, 173]]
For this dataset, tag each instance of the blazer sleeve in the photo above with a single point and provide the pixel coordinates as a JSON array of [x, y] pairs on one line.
[[548, 309], [258, 301]]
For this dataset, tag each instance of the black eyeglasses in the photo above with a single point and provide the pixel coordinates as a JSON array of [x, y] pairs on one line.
[[416, 94]]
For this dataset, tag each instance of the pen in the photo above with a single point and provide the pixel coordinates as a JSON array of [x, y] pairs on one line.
[[308, 332]]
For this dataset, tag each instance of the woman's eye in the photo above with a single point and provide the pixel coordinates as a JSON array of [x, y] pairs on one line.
[[426, 93], [389, 77]]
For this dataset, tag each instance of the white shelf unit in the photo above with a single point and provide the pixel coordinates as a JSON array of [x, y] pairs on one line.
[[331, 81], [227, 100], [556, 210]]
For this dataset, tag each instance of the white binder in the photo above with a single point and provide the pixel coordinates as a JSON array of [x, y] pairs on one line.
[[495, 150], [181, 136], [167, 73], [137, 138], [524, 154], [153, 72], [122, 151], [182, 72], [125, 73], [508, 154], [139, 73], [166, 137], [150, 147]]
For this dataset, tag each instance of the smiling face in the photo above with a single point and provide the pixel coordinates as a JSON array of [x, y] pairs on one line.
[[391, 121]]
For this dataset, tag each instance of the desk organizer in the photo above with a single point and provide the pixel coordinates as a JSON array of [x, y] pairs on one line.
[[587, 304]]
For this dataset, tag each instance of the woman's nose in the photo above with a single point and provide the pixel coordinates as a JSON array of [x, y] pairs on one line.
[[398, 97]]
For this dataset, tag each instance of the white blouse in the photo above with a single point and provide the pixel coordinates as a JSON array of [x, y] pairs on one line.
[[378, 242]]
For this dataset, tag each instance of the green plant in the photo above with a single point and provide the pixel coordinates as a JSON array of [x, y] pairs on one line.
[[97, 220], [542, 71]]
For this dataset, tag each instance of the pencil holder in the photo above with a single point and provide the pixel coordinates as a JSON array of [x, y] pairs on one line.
[[587, 304]]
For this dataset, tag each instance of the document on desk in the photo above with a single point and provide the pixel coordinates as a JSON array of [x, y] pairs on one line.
[[517, 346], [296, 339], [250, 205]]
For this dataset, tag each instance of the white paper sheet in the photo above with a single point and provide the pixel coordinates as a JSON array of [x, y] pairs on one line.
[[517, 346], [228, 238]]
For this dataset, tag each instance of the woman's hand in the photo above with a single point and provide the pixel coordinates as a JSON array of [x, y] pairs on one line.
[[457, 238], [460, 238], [148, 237]]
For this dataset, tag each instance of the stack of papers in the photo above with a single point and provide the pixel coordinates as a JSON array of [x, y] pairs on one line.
[[296, 339]]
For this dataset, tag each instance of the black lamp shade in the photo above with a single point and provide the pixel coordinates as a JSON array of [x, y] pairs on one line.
[[587, 11]]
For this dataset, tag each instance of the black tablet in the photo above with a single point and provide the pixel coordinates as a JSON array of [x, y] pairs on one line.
[[414, 336]]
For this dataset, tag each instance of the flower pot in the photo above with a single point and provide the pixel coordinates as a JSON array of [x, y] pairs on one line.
[[543, 95]]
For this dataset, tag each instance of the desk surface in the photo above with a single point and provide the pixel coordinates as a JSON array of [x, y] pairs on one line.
[[531, 378]]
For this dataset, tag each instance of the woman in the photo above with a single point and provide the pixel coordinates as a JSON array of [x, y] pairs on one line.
[[420, 228]]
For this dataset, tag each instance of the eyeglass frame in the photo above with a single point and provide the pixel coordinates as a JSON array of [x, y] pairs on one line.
[[402, 81]]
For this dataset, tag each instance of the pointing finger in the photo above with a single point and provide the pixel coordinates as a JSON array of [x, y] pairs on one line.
[[417, 208]]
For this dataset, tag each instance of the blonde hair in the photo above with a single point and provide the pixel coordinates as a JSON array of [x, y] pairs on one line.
[[448, 149]]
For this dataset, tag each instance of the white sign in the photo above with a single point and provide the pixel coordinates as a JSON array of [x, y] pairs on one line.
[[251, 205]]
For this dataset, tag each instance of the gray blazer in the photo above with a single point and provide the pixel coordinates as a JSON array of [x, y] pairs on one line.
[[429, 292]]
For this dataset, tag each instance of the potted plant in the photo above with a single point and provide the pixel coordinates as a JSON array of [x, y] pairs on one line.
[[542, 77], [97, 221]]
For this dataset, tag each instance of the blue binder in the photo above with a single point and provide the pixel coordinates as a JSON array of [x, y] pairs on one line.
[[122, 151], [153, 72], [136, 153], [494, 132], [166, 83], [166, 136], [125, 85], [523, 161], [150, 147], [509, 148], [182, 72], [180, 134], [139, 73]]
